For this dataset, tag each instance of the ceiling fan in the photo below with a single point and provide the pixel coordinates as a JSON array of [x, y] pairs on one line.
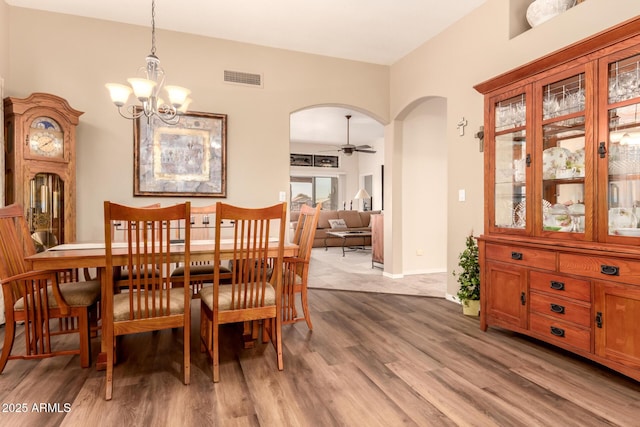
[[348, 149]]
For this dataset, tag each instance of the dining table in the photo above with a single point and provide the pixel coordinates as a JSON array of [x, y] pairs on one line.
[[83, 255]]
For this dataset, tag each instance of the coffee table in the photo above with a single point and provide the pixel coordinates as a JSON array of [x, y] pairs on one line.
[[343, 235]]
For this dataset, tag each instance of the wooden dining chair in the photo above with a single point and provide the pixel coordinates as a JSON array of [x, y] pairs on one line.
[[36, 298], [250, 296], [148, 303], [296, 269], [119, 233], [201, 272]]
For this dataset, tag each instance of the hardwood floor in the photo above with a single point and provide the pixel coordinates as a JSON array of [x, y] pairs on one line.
[[372, 360]]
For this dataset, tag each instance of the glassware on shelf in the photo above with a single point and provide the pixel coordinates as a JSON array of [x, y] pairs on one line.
[[624, 79], [564, 97], [510, 113], [576, 212]]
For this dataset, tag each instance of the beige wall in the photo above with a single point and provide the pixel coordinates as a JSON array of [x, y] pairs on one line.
[[473, 50], [87, 53], [425, 169]]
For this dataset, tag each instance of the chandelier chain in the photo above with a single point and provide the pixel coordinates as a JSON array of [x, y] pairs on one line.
[[153, 27]]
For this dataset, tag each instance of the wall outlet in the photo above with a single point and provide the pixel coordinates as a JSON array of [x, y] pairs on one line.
[[282, 196]]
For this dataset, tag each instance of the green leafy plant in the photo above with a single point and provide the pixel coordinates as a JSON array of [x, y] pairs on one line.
[[469, 277]]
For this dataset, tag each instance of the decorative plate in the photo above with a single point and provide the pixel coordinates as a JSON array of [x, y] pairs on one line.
[[576, 160], [552, 159]]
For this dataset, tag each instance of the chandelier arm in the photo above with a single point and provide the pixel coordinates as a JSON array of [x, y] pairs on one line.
[[132, 111]]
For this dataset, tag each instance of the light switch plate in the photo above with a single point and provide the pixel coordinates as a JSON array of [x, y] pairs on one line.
[[462, 195]]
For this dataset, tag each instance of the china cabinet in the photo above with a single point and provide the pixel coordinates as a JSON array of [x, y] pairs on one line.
[[40, 164], [560, 255]]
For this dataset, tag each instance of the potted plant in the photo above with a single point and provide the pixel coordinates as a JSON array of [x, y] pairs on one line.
[[469, 278]]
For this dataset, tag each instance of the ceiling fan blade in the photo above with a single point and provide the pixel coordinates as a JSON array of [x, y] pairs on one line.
[[363, 147], [365, 151]]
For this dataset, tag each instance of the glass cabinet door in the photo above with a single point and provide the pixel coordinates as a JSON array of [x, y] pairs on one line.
[[563, 155], [510, 160], [45, 213], [623, 113]]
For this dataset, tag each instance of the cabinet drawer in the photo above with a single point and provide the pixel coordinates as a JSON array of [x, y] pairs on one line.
[[559, 285], [600, 267], [557, 331], [529, 257], [550, 305]]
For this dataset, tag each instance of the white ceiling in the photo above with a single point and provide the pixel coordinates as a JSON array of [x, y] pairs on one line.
[[375, 31], [328, 125]]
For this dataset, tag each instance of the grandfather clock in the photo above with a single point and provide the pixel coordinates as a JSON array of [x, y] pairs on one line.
[[40, 164]]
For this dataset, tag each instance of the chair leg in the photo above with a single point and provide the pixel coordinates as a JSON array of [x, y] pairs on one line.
[[216, 351], [9, 337], [85, 342], [278, 336], [111, 347], [186, 363], [204, 330], [305, 307]]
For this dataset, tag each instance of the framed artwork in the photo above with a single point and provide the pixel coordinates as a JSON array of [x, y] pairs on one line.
[[325, 161], [186, 159], [301, 160]]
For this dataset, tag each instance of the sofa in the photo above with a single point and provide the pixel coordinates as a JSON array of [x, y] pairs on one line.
[[353, 221]]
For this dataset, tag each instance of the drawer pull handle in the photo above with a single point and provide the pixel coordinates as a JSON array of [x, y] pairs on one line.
[[558, 286], [558, 332], [557, 308], [609, 270], [516, 255]]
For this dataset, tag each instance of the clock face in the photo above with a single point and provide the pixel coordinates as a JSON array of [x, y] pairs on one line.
[[46, 138]]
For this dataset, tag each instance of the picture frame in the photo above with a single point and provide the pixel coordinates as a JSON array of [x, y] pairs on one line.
[[325, 161], [187, 159], [301, 160]]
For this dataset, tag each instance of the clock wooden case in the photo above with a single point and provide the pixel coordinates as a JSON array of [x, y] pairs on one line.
[[40, 164]]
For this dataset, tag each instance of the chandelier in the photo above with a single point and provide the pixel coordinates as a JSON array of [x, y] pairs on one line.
[[147, 87]]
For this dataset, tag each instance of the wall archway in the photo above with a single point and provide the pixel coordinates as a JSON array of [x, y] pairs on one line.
[[321, 130]]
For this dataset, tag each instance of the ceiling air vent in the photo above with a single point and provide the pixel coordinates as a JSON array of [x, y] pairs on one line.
[[244, 79]]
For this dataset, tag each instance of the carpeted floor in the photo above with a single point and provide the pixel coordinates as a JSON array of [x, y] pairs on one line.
[[353, 272]]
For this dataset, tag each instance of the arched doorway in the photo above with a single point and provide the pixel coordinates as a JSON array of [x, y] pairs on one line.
[[322, 173]]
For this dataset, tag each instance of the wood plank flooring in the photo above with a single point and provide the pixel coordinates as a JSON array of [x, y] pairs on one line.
[[372, 360]]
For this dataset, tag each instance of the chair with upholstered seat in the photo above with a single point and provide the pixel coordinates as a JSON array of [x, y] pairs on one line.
[[250, 296], [296, 269], [201, 272], [35, 298], [148, 303]]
